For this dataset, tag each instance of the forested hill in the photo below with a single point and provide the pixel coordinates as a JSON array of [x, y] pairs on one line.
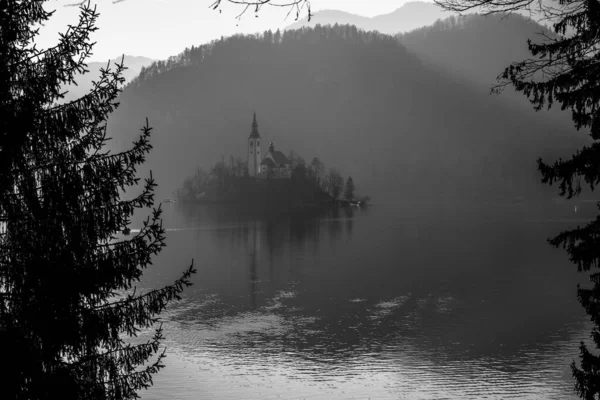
[[358, 99], [475, 46]]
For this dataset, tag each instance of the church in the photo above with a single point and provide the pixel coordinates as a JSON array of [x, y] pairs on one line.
[[273, 165]]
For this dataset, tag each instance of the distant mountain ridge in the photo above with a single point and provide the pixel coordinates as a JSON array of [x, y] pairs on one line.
[[477, 48], [411, 15]]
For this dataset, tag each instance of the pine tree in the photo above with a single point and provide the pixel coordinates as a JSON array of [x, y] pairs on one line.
[[565, 69], [67, 296], [349, 189]]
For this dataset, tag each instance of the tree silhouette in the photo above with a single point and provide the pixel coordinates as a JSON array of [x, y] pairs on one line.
[[564, 69], [318, 168], [335, 183], [299, 170], [349, 189], [67, 295]]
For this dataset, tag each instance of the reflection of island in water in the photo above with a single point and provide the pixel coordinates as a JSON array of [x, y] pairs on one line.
[[298, 227], [272, 245]]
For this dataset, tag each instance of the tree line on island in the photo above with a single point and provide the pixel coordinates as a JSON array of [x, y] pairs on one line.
[[222, 175]]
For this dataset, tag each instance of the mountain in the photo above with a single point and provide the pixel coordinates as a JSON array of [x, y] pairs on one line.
[[134, 65], [476, 48], [360, 101], [411, 15]]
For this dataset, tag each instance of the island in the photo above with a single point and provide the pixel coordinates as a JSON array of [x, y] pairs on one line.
[[270, 181]]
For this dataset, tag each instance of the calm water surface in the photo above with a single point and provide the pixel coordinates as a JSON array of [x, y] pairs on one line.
[[382, 303]]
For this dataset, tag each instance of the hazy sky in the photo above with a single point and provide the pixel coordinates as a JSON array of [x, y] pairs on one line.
[[161, 28]]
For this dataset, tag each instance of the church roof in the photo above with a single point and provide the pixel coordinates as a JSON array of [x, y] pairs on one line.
[[280, 158], [268, 162]]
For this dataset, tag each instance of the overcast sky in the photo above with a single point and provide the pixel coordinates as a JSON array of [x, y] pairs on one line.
[[161, 28]]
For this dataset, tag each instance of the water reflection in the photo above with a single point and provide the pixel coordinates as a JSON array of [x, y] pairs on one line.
[[253, 273], [379, 306]]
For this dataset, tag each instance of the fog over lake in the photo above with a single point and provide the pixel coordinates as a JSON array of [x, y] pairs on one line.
[[379, 302]]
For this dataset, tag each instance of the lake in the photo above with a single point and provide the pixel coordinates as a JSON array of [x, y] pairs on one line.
[[386, 302]]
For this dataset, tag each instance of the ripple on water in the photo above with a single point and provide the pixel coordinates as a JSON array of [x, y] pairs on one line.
[[385, 308], [276, 351]]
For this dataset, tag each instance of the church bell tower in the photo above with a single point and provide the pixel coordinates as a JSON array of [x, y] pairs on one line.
[[254, 150]]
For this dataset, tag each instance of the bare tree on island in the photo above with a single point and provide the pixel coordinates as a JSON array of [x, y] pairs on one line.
[[349, 189], [565, 69], [318, 169], [334, 183]]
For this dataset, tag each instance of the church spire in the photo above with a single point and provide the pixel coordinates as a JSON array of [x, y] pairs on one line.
[[255, 133]]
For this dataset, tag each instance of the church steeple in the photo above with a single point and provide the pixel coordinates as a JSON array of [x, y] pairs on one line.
[[255, 134], [254, 157]]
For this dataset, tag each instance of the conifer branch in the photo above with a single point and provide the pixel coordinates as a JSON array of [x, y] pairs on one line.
[[59, 204]]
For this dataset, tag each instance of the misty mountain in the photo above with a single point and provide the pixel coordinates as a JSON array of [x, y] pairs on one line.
[[360, 101], [411, 15], [476, 48], [134, 65]]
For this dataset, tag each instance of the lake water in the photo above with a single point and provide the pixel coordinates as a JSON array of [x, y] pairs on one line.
[[378, 303]]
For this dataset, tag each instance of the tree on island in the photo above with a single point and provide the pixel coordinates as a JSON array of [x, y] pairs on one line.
[[349, 189], [201, 178], [318, 168], [299, 170], [240, 167], [218, 171], [188, 186], [294, 158], [564, 69], [334, 183]]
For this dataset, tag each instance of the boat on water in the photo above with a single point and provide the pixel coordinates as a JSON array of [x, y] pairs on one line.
[[350, 203], [126, 231]]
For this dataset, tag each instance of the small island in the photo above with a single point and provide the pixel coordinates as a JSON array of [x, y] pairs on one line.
[[270, 181]]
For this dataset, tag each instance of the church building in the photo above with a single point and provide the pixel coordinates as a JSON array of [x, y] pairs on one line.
[[274, 164]]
